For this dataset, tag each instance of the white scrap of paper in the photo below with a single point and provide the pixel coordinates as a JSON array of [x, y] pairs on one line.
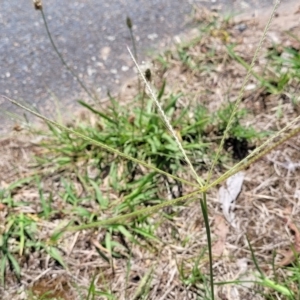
[[228, 194]]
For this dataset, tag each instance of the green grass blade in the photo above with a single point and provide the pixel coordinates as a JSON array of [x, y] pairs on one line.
[[277, 287], [15, 265], [204, 210], [254, 258], [97, 112], [54, 253], [3, 269], [97, 143], [167, 122]]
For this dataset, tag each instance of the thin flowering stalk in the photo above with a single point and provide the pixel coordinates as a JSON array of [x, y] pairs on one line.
[[165, 119], [242, 90], [98, 143], [38, 6], [129, 25]]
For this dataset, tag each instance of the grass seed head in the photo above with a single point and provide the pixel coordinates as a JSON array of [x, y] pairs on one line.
[[148, 74], [128, 22], [38, 4]]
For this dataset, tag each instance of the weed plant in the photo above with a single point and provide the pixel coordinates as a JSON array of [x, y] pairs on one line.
[[108, 182]]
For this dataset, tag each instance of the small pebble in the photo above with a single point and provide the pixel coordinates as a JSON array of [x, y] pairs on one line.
[[152, 36], [242, 27]]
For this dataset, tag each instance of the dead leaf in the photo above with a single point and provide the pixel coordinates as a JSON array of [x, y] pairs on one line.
[[221, 232], [291, 254]]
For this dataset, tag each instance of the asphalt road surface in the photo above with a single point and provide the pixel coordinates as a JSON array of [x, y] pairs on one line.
[[92, 36]]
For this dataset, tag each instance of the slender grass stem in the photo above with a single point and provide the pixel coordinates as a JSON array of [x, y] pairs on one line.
[[261, 151], [62, 59], [257, 154], [166, 121], [242, 90], [204, 209], [133, 41], [102, 145]]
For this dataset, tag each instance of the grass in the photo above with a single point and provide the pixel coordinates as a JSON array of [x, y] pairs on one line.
[[109, 209]]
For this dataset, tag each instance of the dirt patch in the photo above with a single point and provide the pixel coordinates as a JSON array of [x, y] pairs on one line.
[[16, 153], [49, 288], [286, 18]]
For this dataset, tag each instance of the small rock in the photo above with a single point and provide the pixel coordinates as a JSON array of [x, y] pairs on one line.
[[152, 36], [241, 27], [111, 38], [91, 71], [105, 51]]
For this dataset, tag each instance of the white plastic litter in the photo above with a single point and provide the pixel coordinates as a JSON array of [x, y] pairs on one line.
[[228, 195]]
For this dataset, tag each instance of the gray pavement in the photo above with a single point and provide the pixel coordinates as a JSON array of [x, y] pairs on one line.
[[92, 36]]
